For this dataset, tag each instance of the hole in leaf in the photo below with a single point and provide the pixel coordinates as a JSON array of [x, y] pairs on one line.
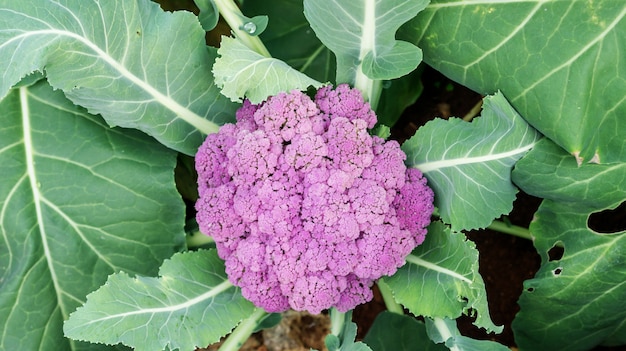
[[555, 253], [557, 271], [609, 221]]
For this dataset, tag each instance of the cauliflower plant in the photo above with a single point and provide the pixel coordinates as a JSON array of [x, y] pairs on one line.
[[305, 206]]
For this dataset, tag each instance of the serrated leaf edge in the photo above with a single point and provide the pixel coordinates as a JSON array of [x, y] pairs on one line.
[[216, 290]]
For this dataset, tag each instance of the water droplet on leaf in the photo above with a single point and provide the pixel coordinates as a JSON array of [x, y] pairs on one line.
[[249, 27]]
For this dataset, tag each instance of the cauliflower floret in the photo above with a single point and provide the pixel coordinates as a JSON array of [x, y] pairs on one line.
[[212, 215], [383, 250], [369, 202], [414, 205], [260, 287], [280, 198], [306, 151], [287, 115], [252, 158], [314, 292], [357, 291], [387, 167], [245, 116], [212, 163], [307, 209], [349, 146], [344, 102]]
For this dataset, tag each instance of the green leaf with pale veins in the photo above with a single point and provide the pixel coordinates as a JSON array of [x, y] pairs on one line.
[[78, 201], [290, 38], [191, 304], [468, 165], [577, 301], [241, 72], [574, 302], [128, 60], [441, 279], [560, 63], [361, 33]]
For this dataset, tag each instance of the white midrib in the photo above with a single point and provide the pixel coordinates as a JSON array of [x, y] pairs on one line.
[[465, 3], [435, 165], [420, 262], [34, 185], [368, 44], [218, 289], [368, 29], [203, 125], [445, 332]]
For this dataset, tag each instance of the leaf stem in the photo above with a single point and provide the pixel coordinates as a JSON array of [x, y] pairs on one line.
[[312, 58], [243, 331], [197, 239], [503, 227], [444, 331], [337, 320], [473, 112], [390, 302], [234, 17], [370, 88], [511, 229]]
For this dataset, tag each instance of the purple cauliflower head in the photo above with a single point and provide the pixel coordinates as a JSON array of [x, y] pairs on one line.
[[306, 208]]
